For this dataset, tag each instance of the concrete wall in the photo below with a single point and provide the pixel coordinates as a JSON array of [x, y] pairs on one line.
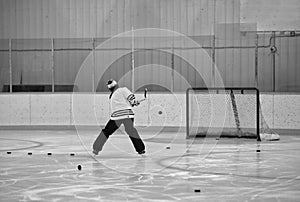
[[100, 18], [31, 24], [106, 18], [271, 14], [280, 111]]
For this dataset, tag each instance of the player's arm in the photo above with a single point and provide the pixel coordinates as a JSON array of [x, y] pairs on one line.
[[130, 97]]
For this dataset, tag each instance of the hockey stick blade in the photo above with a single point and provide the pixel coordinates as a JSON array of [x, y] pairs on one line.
[[142, 100]]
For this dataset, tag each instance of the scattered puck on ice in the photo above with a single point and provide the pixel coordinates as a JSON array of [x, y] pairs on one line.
[[8, 152], [168, 147], [49, 154], [258, 150], [159, 112], [197, 190], [79, 167], [72, 154], [29, 153]]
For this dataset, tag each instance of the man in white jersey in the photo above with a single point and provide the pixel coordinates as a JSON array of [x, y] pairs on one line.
[[121, 102]]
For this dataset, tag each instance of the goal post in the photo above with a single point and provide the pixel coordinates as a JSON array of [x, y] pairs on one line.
[[226, 112]]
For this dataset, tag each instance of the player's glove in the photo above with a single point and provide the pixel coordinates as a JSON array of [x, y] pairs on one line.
[[132, 101], [135, 103]]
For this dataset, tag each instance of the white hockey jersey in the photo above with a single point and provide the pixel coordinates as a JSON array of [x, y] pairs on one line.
[[120, 104]]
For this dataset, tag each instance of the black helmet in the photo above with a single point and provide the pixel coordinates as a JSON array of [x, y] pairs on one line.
[[111, 84]]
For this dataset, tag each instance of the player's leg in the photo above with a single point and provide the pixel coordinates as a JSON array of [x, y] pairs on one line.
[[109, 129], [134, 136]]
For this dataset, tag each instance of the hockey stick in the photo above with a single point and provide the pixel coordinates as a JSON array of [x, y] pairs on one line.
[[145, 95]]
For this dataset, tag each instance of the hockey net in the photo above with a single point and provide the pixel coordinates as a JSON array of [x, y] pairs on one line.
[[226, 112]]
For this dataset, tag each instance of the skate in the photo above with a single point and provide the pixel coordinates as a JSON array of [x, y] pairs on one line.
[[95, 153], [142, 153]]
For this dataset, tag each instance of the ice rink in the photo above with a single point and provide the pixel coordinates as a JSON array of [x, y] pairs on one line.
[[42, 165]]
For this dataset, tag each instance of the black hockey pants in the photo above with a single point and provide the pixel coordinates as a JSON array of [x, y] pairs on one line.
[[112, 126]]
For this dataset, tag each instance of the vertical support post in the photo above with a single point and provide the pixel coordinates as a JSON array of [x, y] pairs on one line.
[[10, 67], [94, 86], [132, 59], [94, 48], [258, 115], [256, 61], [187, 113], [214, 43], [172, 66], [273, 62], [213, 55], [214, 17], [52, 66]]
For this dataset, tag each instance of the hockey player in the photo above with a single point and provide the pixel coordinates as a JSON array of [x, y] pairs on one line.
[[121, 102]]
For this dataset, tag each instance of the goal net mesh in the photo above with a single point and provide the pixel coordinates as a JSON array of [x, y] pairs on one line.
[[229, 112]]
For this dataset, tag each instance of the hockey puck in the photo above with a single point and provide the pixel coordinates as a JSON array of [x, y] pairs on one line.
[[29, 153], [197, 190], [168, 147], [79, 167], [49, 154], [8, 152], [258, 150], [72, 154], [159, 112]]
